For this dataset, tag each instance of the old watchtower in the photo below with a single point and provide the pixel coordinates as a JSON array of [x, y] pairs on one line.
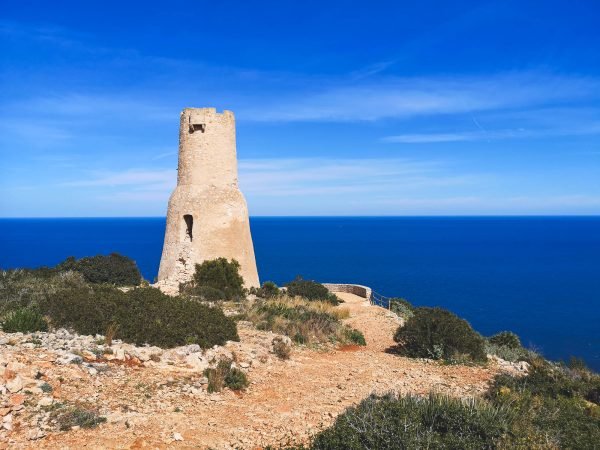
[[207, 216]]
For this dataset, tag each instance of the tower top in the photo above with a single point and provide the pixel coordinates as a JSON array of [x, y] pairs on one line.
[[207, 153]]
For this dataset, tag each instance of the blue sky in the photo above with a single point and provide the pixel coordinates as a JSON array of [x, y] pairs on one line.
[[342, 108]]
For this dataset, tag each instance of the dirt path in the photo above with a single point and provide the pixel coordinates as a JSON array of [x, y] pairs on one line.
[[287, 400]]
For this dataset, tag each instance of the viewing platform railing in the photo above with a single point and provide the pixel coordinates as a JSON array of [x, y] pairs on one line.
[[362, 291], [380, 300]]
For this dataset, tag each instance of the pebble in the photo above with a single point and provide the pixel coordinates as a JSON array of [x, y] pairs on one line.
[[15, 385], [45, 401], [16, 399], [177, 437]]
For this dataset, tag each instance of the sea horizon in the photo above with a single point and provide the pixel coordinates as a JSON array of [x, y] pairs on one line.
[[329, 216]]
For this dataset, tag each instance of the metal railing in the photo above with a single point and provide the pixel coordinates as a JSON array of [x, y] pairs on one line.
[[366, 292], [380, 300]]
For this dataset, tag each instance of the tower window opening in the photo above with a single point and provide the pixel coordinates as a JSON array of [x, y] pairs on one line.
[[189, 225], [197, 127]]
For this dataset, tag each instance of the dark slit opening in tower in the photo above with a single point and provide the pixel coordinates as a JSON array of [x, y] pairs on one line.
[[189, 223]]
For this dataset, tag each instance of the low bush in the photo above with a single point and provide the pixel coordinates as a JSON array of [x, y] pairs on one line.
[[555, 405], [140, 316], [67, 417], [113, 269], [439, 334], [282, 347], [25, 288], [268, 290], [224, 375], [236, 379], [401, 307], [24, 320], [392, 422], [506, 339], [310, 290], [576, 363], [157, 319], [355, 336], [304, 321], [221, 275], [510, 354], [216, 375], [86, 309], [547, 379], [507, 346]]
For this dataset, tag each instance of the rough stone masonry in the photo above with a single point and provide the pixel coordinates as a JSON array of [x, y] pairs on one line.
[[207, 216]]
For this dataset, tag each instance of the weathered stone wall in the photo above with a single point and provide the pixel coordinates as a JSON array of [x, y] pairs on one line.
[[207, 214], [356, 289]]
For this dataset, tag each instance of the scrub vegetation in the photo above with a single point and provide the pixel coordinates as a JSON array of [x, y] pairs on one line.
[[63, 296], [304, 321]]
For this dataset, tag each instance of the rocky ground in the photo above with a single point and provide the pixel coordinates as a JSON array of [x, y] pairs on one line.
[[152, 398]]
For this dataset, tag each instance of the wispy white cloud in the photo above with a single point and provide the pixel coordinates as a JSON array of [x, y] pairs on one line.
[[364, 95], [34, 133], [492, 135], [435, 137], [86, 107], [164, 155], [262, 180], [478, 204], [315, 186], [372, 69], [322, 176], [138, 179], [390, 97], [42, 33]]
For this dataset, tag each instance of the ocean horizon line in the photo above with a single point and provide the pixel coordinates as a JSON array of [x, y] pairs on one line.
[[342, 216]]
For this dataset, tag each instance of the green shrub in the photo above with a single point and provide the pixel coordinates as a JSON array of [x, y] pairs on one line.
[[68, 417], [438, 334], [157, 319], [547, 379], [576, 363], [223, 375], [304, 321], [401, 307], [593, 394], [355, 336], [24, 320], [140, 316], [26, 288], [296, 320], [508, 353], [391, 422], [88, 310], [553, 403], [506, 339], [112, 269], [268, 290], [282, 349], [507, 345], [310, 290], [216, 375], [236, 379], [222, 275]]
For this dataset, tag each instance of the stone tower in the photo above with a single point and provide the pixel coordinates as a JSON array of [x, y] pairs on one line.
[[207, 216]]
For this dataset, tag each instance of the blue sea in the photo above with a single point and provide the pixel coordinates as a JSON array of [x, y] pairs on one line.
[[537, 276]]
